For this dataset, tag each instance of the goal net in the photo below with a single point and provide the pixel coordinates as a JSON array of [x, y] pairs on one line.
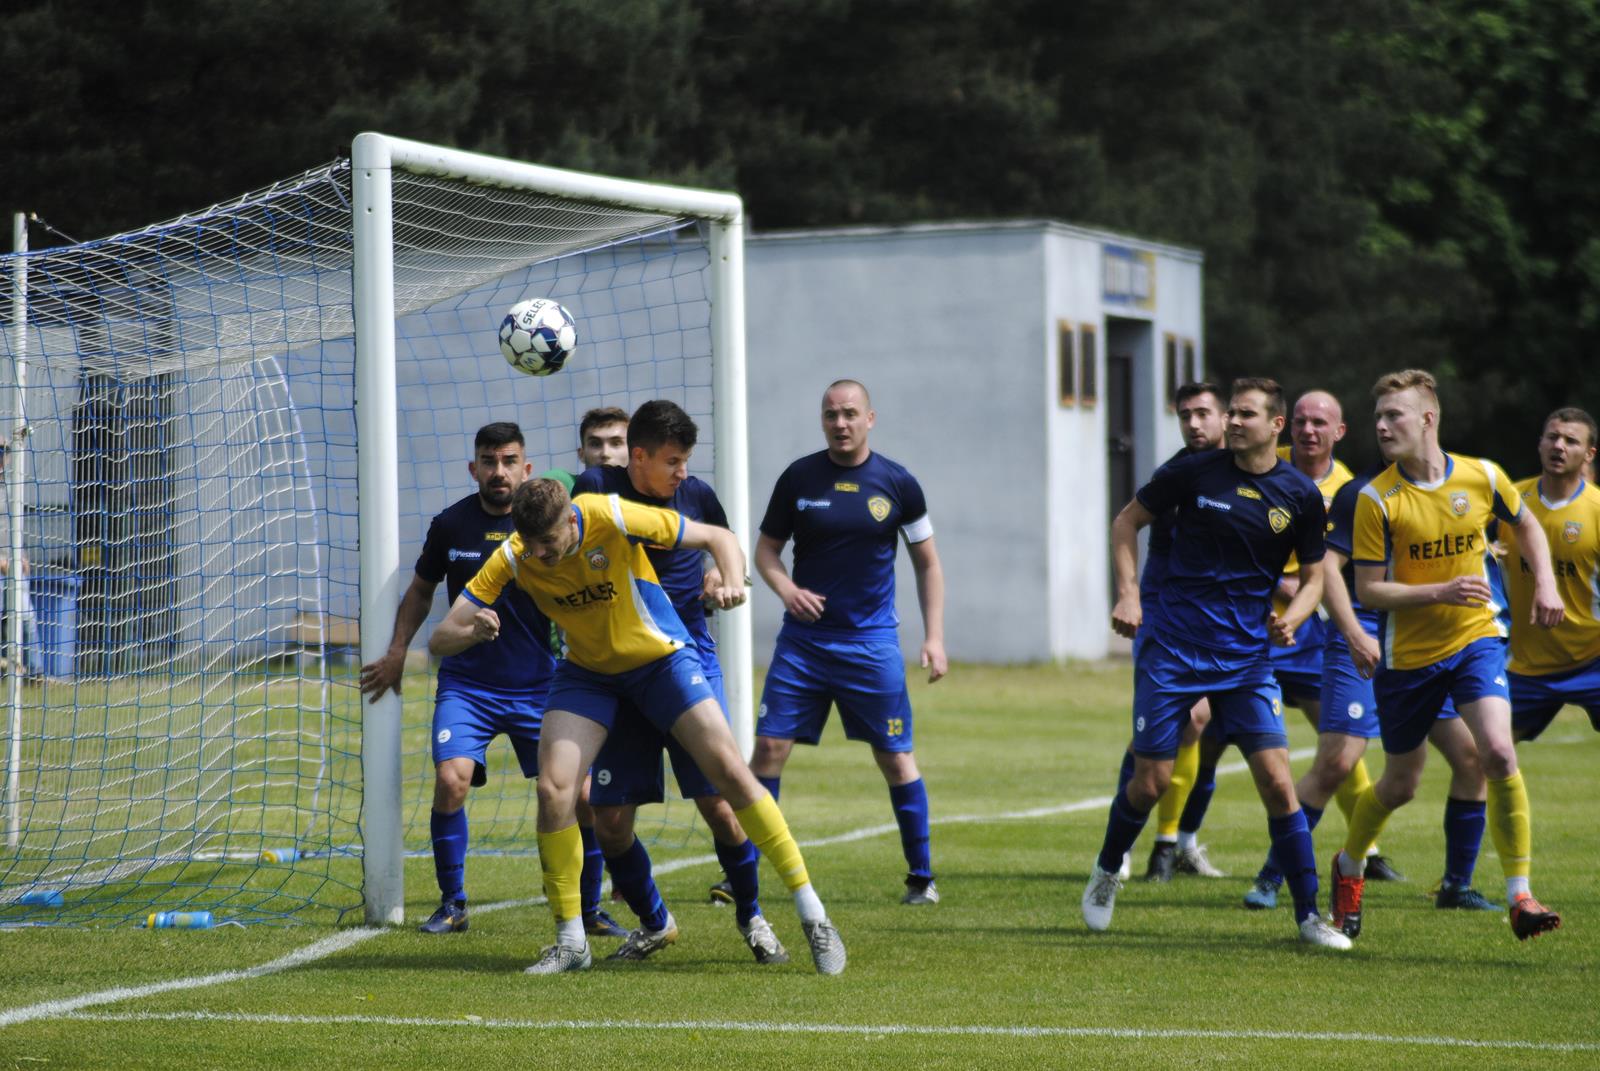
[[227, 435]]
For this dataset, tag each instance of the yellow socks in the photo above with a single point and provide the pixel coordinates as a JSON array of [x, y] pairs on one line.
[[1511, 825], [561, 859], [1355, 782], [765, 825], [1366, 822], [1185, 768]]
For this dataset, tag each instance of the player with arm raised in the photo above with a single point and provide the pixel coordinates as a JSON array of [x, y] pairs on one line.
[[846, 508], [1421, 558], [628, 771], [497, 689], [1553, 667], [1241, 512], [583, 561]]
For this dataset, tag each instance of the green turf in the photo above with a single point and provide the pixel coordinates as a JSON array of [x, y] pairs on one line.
[[1006, 948]]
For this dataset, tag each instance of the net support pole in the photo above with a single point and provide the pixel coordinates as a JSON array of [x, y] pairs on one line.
[[731, 426], [378, 482], [13, 485]]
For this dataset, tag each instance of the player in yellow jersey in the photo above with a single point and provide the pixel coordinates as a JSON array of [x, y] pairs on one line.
[[1421, 559], [583, 562], [1550, 668]]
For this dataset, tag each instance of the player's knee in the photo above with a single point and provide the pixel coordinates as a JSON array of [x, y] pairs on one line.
[[556, 796], [720, 819], [1147, 787], [613, 828], [769, 756], [899, 767], [1499, 761], [450, 786], [1397, 790]]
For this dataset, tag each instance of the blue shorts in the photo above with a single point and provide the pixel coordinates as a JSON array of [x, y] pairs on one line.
[[628, 769], [1246, 706], [466, 719], [1411, 700], [865, 677], [1535, 701], [660, 690]]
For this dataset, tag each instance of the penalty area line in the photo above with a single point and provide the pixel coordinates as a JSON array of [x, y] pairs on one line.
[[847, 1029]]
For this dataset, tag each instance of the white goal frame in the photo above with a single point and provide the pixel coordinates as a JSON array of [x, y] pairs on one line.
[[374, 158]]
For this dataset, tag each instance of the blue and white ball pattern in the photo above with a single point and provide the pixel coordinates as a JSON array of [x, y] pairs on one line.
[[537, 336]]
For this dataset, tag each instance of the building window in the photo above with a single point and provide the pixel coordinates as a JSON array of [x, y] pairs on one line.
[[1066, 364], [1191, 362], [1088, 356], [1170, 351]]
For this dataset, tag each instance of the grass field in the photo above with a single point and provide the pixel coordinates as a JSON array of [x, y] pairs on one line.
[[1019, 763]]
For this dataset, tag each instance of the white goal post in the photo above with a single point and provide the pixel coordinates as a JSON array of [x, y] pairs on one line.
[[375, 158]]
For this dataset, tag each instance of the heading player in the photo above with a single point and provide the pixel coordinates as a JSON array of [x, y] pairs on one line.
[[628, 772], [1241, 512], [1421, 557], [585, 566], [1549, 668], [846, 508], [498, 689]]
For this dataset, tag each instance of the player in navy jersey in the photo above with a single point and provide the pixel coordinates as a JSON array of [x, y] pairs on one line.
[[493, 689], [1176, 849], [628, 770], [846, 509], [1241, 513]]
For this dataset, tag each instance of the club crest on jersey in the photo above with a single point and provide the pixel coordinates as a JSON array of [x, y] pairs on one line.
[[879, 507], [1458, 503], [598, 559], [1571, 531], [1278, 518]]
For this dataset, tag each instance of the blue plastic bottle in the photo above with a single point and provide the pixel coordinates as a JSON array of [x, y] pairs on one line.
[[41, 898], [280, 855], [179, 920]]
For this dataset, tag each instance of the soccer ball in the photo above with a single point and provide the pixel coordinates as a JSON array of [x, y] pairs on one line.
[[537, 336]]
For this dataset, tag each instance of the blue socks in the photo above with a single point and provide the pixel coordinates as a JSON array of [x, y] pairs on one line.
[[1291, 847], [1194, 812], [910, 802], [1271, 872], [593, 871], [742, 866], [1125, 774], [1123, 826], [449, 833], [630, 872], [1464, 822], [771, 785]]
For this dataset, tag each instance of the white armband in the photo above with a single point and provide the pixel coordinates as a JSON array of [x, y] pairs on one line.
[[918, 530]]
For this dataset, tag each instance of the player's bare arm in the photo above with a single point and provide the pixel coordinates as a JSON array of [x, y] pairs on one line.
[[466, 625], [1128, 615], [1548, 609], [1364, 650], [804, 604], [1282, 627], [930, 596], [1380, 593], [725, 551], [388, 671]]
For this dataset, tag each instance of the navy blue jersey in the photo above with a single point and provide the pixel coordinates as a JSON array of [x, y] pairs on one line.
[[680, 571], [846, 523], [460, 540], [1342, 538], [1235, 533], [1160, 545]]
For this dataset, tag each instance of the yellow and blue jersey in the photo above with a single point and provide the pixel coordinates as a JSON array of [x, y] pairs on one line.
[[1306, 654], [613, 613], [1572, 528], [1429, 534]]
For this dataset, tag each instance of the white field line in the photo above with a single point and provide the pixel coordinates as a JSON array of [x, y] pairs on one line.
[[848, 1029], [328, 946], [52, 1009]]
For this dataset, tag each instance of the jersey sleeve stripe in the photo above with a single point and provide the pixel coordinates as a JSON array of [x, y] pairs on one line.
[[473, 598], [682, 524]]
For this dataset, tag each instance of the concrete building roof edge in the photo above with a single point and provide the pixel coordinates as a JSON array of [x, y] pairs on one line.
[[929, 230]]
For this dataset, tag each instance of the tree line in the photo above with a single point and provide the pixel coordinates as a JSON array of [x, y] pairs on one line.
[[1375, 183]]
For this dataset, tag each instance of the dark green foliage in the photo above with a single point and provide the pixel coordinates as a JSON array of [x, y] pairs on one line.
[[1376, 183]]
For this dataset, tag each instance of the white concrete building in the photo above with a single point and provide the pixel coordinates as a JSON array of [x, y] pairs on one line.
[[1022, 371]]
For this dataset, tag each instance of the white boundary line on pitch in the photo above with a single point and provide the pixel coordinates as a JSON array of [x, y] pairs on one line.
[[859, 1030], [338, 942]]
